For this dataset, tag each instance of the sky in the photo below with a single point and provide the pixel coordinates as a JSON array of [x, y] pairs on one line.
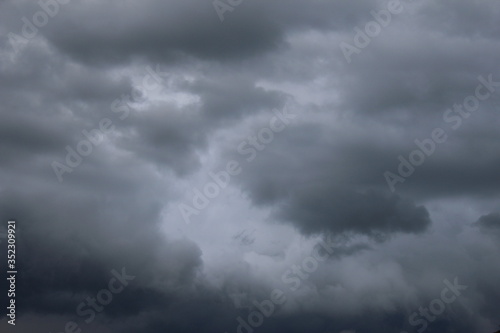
[[251, 166]]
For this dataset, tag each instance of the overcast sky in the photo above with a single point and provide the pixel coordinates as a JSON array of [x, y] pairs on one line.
[[342, 152]]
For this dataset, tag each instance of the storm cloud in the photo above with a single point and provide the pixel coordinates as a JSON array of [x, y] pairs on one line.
[[367, 183]]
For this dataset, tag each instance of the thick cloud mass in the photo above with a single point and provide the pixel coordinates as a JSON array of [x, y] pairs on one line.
[[359, 212], [489, 221], [218, 151]]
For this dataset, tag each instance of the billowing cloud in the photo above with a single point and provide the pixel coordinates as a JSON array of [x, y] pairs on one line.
[[367, 185]]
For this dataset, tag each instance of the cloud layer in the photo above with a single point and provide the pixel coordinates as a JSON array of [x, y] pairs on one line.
[[115, 114]]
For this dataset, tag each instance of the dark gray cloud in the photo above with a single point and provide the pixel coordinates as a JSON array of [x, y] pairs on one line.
[[489, 221], [166, 138], [159, 30], [216, 85], [318, 210]]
